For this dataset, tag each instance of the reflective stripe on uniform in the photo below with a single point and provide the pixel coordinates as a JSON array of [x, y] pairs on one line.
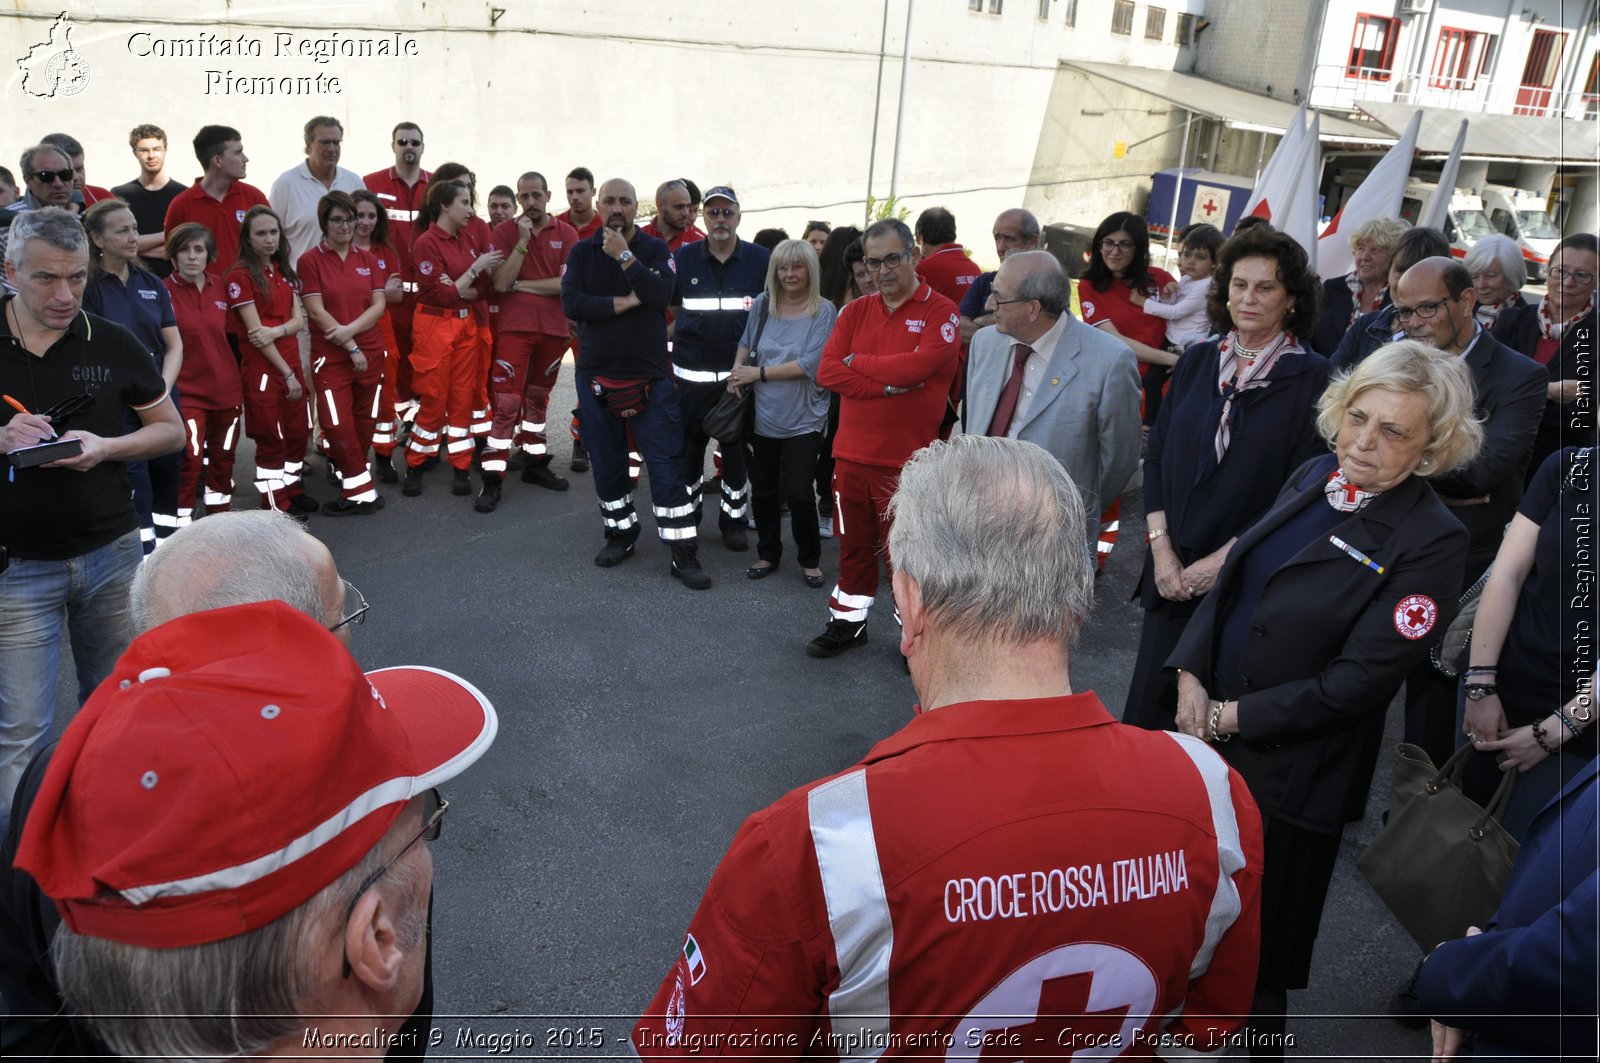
[[698, 376], [1225, 903], [842, 606], [670, 534], [858, 912]]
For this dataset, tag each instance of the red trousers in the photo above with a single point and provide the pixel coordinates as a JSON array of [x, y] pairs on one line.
[[444, 364], [479, 425], [399, 317], [347, 409], [861, 522], [211, 439], [280, 427], [524, 370], [386, 431]]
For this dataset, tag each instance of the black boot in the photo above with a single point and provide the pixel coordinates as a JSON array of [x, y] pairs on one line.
[[686, 567], [489, 497]]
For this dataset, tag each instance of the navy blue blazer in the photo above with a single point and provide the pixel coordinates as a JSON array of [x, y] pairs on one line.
[[1538, 954], [1330, 642], [1337, 305], [1371, 331], [1561, 426], [1207, 503]]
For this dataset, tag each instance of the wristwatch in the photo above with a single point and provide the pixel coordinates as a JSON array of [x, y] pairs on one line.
[[624, 258], [1479, 691]]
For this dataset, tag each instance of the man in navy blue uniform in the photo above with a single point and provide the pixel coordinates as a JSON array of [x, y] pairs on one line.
[[718, 278], [617, 287]]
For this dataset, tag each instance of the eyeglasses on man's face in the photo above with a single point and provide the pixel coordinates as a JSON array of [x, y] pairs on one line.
[[434, 807], [356, 616], [1422, 311], [890, 261]]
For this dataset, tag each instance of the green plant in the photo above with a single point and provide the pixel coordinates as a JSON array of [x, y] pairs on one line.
[[879, 209]]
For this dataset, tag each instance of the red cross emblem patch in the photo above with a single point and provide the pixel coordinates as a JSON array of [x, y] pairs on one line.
[[1415, 616]]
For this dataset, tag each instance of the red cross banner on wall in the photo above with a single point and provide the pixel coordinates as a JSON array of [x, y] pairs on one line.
[[1210, 205]]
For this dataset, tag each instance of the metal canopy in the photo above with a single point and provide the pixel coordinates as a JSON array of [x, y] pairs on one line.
[[1495, 137]]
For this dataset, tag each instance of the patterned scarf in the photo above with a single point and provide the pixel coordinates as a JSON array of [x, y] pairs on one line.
[[1488, 314], [1234, 375], [1552, 330], [1345, 496], [1354, 284]]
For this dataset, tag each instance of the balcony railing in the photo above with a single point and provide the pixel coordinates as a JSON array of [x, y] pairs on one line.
[[1334, 85]]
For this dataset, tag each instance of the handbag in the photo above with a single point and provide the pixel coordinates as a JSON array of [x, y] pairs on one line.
[[622, 397], [1457, 636], [731, 419], [1441, 862]]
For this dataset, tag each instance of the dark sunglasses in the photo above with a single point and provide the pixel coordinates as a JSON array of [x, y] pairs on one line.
[[45, 177], [66, 408], [404, 143]]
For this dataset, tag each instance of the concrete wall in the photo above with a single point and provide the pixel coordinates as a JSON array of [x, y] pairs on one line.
[[1258, 49], [774, 98]]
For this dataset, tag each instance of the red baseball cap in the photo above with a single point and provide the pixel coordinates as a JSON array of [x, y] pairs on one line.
[[236, 762]]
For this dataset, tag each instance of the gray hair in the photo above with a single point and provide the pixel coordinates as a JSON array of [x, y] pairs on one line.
[[229, 998], [53, 225], [1027, 224], [992, 531], [1405, 367], [1498, 247], [1042, 279], [887, 226], [227, 559], [29, 154]]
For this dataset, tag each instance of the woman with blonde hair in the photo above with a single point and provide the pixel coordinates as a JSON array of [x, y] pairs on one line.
[[1321, 610], [778, 356], [1364, 289]]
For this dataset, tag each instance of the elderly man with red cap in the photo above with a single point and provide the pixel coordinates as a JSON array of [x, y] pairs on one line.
[[232, 830]]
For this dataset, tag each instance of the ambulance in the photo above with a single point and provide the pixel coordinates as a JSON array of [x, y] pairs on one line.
[[1521, 215], [1465, 222]]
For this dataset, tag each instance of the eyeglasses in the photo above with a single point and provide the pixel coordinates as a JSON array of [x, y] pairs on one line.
[[433, 809], [360, 615], [340, 221], [1116, 245], [994, 297], [886, 262], [1423, 311], [1561, 275], [721, 212], [67, 408], [404, 143], [46, 177]]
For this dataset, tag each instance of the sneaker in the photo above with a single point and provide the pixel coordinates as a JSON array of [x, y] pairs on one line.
[[580, 458], [303, 503], [413, 485], [614, 553], [840, 635], [384, 465], [489, 497], [686, 567], [344, 507], [825, 527], [734, 538], [461, 482], [543, 475]]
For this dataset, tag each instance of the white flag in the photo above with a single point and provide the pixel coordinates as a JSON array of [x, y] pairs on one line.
[[1286, 194], [1434, 213], [1378, 196], [1273, 185]]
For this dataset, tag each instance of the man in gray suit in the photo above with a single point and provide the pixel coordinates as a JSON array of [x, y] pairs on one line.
[[1041, 375]]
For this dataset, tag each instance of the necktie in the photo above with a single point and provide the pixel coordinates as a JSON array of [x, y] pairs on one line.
[[1006, 407]]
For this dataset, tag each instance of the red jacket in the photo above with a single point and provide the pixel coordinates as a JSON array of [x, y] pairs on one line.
[[950, 271], [1025, 877], [918, 346]]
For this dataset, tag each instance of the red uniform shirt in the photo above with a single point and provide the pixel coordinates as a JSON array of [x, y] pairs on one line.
[[546, 258], [93, 194], [402, 202], [486, 310], [222, 216], [346, 286], [209, 377], [1114, 305], [274, 305], [919, 343], [691, 235], [438, 256], [585, 231], [959, 894], [949, 272]]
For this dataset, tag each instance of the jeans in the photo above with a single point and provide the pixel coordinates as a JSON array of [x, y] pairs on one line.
[[88, 597]]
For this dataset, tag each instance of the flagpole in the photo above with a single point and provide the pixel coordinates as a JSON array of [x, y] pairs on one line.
[[1177, 189]]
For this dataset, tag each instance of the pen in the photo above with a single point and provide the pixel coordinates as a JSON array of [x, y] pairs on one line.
[[14, 404], [1357, 554]]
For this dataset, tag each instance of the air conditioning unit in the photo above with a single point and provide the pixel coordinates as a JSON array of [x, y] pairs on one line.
[[1415, 7]]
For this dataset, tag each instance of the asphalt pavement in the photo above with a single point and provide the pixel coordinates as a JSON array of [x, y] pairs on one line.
[[641, 722]]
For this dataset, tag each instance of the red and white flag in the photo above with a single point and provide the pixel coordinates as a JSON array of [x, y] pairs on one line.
[[1377, 196], [1433, 214], [1286, 192]]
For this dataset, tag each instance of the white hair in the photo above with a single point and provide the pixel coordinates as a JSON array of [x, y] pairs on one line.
[[1498, 247]]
